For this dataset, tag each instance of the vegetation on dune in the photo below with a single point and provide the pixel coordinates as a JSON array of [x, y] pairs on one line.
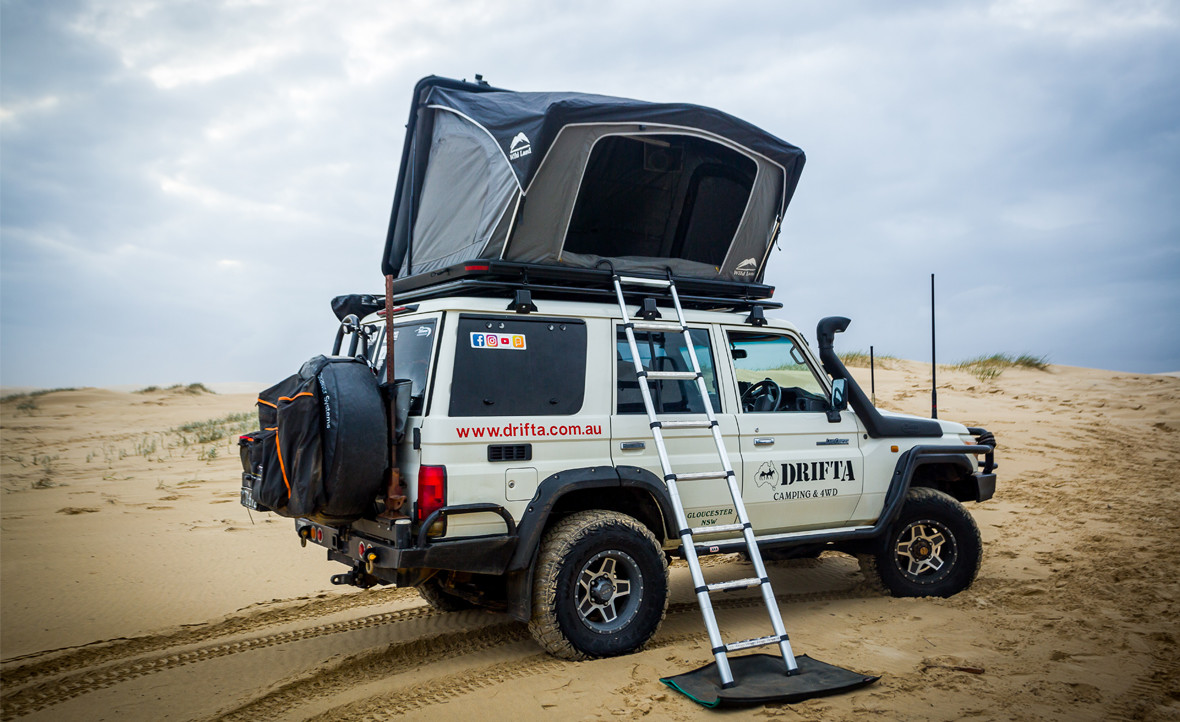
[[860, 359], [210, 430], [26, 401], [986, 368], [197, 388]]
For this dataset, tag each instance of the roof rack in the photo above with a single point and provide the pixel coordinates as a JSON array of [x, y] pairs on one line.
[[495, 278], [503, 278]]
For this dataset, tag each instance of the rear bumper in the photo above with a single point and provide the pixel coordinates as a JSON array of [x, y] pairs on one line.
[[383, 547]]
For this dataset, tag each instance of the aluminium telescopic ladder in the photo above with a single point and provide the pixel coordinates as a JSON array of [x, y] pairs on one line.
[[720, 649]]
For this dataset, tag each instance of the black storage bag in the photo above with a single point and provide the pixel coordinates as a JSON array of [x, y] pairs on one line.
[[264, 477], [324, 444], [268, 401], [299, 445], [260, 452]]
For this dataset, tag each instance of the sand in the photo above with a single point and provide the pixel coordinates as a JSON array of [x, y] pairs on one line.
[[134, 586]]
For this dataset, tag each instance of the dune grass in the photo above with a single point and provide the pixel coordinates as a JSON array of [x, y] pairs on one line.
[[197, 388], [987, 368], [860, 359], [34, 394], [205, 432], [26, 402]]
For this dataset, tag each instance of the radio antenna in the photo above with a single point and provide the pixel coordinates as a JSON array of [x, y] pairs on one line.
[[872, 376], [933, 358]]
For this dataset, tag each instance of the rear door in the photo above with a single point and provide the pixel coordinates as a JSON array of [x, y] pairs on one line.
[[514, 409], [706, 502]]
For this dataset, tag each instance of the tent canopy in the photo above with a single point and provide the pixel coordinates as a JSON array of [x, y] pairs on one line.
[[571, 179]]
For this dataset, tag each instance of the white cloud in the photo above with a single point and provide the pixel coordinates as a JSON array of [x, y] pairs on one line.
[[156, 154], [22, 110], [1085, 20]]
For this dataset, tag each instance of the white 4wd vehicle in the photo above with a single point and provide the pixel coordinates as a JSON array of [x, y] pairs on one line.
[[511, 464], [536, 488]]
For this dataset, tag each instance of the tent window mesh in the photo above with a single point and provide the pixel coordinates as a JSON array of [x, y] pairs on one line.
[[660, 196]]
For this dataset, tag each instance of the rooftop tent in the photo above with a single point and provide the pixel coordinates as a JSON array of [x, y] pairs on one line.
[[570, 179]]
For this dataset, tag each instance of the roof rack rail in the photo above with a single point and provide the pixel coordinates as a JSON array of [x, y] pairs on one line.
[[504, 278]]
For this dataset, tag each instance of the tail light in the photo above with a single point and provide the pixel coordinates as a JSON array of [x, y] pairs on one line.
[[432, 490]]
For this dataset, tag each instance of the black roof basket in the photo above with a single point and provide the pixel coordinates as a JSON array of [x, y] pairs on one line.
[[502, 279]]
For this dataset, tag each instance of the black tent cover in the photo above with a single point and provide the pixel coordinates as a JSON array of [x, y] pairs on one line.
[[537, 119]]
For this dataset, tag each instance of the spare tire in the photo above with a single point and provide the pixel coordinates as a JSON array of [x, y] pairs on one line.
[[355, 438]]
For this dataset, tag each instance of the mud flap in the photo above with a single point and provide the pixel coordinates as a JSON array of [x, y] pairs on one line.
[[762, 679]]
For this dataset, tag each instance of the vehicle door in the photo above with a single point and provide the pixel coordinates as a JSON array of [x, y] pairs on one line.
[[706, 502], [801, 471], [511, 407]]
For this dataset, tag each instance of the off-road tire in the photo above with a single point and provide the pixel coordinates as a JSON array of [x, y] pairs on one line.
[[585, 545], [932, 528], [434, 594]]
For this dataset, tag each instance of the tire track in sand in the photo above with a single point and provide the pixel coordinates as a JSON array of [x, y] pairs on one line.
[[35, 696], [1150, 695], [48, 693], [385, 664], [444, 689], [17, 675]]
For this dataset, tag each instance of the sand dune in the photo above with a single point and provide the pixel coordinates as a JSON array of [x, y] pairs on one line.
[[133, 585]]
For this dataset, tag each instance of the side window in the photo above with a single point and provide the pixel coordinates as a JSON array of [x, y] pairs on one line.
[[773, 374], [414, 346], [509, 366], [665, 352]]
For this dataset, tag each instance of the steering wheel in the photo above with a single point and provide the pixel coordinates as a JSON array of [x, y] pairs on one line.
[[762, 396]]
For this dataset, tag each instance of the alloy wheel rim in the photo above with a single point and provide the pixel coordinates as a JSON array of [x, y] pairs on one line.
[[925, 551], [607, 591]]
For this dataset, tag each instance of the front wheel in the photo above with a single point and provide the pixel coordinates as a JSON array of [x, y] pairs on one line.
[[600, 587], [932, 549]]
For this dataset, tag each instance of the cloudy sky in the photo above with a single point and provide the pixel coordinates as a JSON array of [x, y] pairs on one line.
[[185, 185]]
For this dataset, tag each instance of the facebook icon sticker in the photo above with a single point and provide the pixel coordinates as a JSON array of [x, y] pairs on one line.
[[478, 340]]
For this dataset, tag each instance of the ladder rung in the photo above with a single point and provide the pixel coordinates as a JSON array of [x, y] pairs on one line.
[[751, 643], [720, 529], [674, 375], [637, 281], [734, 584], [656, 326], [686, 424], [701, 475]]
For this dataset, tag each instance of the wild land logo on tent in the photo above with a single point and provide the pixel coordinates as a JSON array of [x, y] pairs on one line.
[[520, 147], [746, 267]]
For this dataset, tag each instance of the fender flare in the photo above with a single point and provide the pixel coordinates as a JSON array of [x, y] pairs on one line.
[[549, 492]]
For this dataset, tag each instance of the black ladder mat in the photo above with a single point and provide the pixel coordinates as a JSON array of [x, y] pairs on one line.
[[762, 678]]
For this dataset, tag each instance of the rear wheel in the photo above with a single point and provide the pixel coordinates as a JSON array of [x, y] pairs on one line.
[[600, 587], [932, 549], [438, 597]]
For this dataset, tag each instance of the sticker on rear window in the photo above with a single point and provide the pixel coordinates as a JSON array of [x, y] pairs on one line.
[[509, 341]]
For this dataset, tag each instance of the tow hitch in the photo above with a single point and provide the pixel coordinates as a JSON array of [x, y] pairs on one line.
[[357, 578]]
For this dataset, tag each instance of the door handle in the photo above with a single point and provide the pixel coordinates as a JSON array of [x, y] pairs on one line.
[[632, 445], [763, 441]]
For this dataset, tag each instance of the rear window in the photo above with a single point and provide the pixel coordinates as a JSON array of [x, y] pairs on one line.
[[511, 366]]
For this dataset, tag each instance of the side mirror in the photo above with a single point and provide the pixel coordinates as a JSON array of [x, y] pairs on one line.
[[738, 353], [839, 399]]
